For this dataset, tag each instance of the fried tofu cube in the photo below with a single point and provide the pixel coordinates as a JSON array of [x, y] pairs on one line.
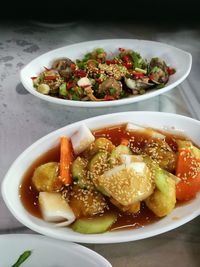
[[128, 183]]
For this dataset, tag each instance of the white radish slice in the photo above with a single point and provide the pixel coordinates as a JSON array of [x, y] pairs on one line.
[[55, 209], [82, 139], [152, 133]]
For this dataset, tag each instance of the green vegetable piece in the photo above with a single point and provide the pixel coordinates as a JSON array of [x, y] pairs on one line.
[[75, 97], [99, 50], [159, 86], [141, 70], [112, 91], [95, 225], [155, 69], [22, 258], [63, 89], [117, 152], [97, 163], [183, 144], [79, 172]]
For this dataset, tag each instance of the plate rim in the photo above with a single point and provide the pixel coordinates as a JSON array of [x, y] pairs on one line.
[[58, 242], [92, 104]]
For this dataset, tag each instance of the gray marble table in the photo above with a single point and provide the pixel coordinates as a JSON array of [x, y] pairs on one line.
[[25, 118]]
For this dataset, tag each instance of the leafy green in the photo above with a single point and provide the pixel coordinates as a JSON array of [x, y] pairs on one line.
[[22, 258]]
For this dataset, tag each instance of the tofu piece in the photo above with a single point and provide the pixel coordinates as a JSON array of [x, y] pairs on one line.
[[81, 139], [55, 209], [127, 159], [152, 133], [128, 183]]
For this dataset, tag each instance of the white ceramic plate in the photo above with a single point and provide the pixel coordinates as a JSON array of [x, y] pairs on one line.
[[47, 252], [179, 216], [173, 56]]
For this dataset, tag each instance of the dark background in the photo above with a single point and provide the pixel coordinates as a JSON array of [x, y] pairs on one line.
[[156, 11]]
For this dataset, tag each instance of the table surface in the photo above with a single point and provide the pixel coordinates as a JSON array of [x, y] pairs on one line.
[[25, 118]]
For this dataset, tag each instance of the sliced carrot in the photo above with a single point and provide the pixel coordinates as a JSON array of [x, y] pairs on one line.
[[66, 157], [188, 170], [124, 142]]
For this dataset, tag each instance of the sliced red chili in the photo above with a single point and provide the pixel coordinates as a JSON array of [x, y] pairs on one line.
[[126, 58], [137, 74], [46, 68], [80, 73], [33, 78], [151, 77], [171, 71], [121, 49], [70, 85], [108, 97], [51, 77], [73, 66], [128, 65]]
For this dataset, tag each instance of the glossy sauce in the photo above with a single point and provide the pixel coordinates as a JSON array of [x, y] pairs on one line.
[[29, 196]]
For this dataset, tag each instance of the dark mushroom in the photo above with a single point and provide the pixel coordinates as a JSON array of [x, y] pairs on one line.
[[158, 69], [110, 87], [63, 66]]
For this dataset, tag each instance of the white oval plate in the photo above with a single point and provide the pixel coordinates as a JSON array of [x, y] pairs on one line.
[[174, 57], [47, 252], [179, 215]]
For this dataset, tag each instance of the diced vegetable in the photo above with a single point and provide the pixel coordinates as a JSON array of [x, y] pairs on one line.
[[117, 152], [188, 169], [66, 155], [81, 139], [79, 173], [55, 209], [95, 225], [45, 177], [43, 88]]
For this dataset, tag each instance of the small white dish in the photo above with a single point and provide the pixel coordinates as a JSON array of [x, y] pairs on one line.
[[174, 57], [179, 216], [46, 252]]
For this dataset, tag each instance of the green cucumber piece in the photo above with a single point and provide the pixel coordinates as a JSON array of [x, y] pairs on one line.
[[98, 162], [79, 172], [117, 152], [183, 144], [95, 225]]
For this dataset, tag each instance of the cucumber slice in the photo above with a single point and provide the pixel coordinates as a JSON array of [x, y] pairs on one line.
[[79, 172], [98, 163], [95, 225], [117, 152]]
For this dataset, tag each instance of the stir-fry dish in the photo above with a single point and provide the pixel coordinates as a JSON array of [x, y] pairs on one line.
[[118, 177], [97, 77]]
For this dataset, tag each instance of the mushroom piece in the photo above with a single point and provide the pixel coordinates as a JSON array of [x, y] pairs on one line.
[[158, 68], [137, 84], [63, 66], [110, 87]]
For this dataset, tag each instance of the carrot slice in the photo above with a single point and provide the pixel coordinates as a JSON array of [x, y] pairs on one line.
[[188, 169], [124, 142], [66, 157]]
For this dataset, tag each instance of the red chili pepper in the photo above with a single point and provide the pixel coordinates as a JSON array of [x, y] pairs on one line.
[[51, 77], [80, 73], [98, 80], [151, 77], [137, 75], [126, 58], [73, 66], [85, 86], [46, 68], [70, 85], [121, 49], [128, 65], [33, 78], [171, 71], [108, 97]]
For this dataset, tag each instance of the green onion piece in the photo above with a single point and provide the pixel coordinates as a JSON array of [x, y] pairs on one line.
[[99, 50], [155, 69], [22, 258], [112, 91], [159, 86], [87, 57], [141, 70], [75, 97], [63, 90], [79, 90]]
